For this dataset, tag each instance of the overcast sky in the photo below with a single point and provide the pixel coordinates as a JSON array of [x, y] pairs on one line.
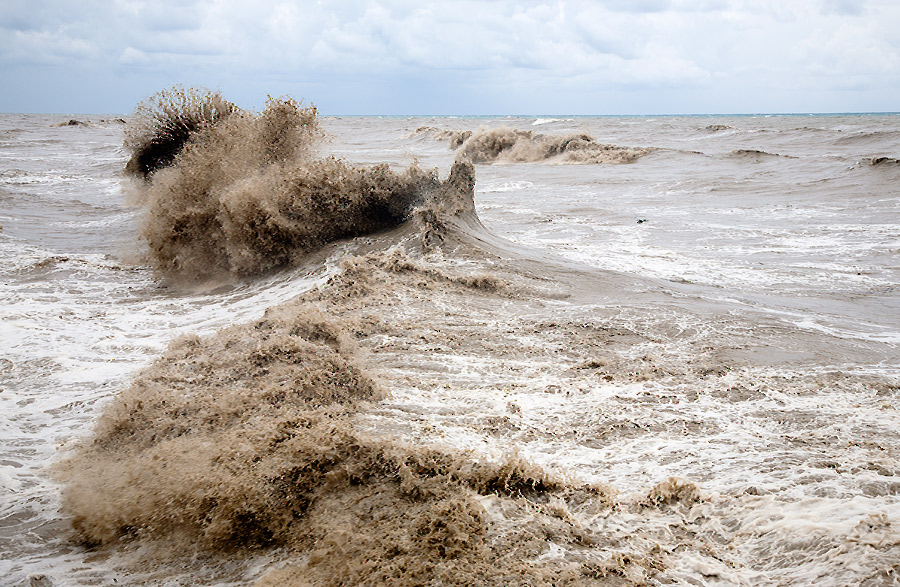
[[457, 56]]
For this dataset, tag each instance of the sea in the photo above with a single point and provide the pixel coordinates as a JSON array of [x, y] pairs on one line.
[[644, 350]]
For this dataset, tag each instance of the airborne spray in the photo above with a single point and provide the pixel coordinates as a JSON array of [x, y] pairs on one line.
[[230, 191]]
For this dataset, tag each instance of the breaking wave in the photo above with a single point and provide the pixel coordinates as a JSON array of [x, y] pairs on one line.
[[163, 123], [454, 137], [507, 145], [510, 145], [246, 440], [280, 438], [235, 192], [540, 121], [718, 127]]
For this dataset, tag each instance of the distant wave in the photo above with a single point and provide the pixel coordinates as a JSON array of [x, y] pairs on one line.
[[509, 145], [71, 122], [756, 154], [76, 122], [455, 137], [541, 121], [868, 137], [507, 186]]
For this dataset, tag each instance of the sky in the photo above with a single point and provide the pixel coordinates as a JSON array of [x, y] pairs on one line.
[[457, 57]]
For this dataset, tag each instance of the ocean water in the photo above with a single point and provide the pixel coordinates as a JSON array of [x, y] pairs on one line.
[[676, 338]]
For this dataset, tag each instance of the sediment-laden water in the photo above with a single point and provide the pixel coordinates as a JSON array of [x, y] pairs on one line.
[[283, 349]]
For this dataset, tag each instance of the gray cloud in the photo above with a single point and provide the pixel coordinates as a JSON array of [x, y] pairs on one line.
[[552, 56], [639, 6], [846, 7]]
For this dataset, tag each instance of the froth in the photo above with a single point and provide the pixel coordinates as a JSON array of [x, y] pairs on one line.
[[270, 439], [246, 439], [271, 434]]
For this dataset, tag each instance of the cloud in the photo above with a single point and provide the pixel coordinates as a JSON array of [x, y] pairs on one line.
[[132, 56], [539, 52], [845, 7], [638, 6]]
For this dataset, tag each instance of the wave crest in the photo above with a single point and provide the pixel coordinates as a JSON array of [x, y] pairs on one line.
[[509, 145], [246, 193], [455, 137], [163, 123]]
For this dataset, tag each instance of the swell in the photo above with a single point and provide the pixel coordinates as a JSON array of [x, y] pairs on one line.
[[874, 137], [755, 155]]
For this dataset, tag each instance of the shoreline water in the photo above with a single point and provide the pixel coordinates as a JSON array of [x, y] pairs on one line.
[[773, 396]]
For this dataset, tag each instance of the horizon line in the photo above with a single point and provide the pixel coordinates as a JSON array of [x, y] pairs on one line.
[[508, 115]]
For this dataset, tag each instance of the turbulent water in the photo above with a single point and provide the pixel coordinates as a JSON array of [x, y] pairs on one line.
[[651, 351]]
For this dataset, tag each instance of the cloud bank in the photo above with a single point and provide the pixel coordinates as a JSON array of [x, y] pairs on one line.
[[460, 56]]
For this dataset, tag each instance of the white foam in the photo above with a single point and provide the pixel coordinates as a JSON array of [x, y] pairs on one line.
[[506, 186], [542, 121]]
